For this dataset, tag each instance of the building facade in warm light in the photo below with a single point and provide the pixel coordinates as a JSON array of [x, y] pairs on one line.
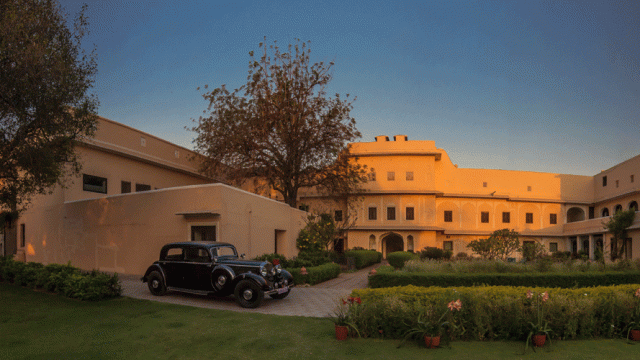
[[417, 197], [137, 192]]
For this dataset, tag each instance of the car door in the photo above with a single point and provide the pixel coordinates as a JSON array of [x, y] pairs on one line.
[[172, 265], [198, 268]]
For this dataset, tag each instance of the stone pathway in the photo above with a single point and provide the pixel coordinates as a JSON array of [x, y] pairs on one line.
[[315, 301]]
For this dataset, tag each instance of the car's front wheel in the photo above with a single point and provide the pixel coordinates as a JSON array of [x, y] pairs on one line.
[[156, 284], [248, 294]]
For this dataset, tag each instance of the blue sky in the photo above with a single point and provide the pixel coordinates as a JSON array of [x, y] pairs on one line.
[[548, 86]]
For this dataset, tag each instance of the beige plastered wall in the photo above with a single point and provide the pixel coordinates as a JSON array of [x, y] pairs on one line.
[[418, 174], [124, 233]]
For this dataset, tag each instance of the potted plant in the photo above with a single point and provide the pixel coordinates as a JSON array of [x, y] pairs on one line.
[[633, 327], [540, 330], [342, 317], [430, 331]]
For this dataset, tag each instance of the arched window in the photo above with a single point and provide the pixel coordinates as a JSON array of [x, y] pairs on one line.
[[617, 208], [372, 242], [410, 243], [633, 205], [575, 214], [605, 212]]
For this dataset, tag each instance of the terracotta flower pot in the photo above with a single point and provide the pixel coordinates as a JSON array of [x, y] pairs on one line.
[[432, 342], [539, 340], [634, 335], [341, 332]]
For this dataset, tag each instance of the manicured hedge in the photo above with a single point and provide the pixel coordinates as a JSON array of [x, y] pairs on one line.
[[364, 258], [498, 312], [398, 258], [316, 274], [560, 280], [63, 279]]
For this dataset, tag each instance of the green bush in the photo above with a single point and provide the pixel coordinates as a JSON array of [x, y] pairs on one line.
[[556, 280], [435, 253], [63, 279], [498, 312], [398, 258], [315, 274], [364, 258]]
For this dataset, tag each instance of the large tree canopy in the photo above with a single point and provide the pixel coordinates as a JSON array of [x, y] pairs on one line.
[[281, 126], [44, 105]]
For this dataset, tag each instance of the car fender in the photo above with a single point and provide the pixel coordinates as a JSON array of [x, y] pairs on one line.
[[249, 275], [287, 276], [154, 267], [227, 272]]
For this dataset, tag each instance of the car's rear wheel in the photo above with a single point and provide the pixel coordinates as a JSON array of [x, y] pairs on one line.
[[156, 284], [248, 294], [280, 296]]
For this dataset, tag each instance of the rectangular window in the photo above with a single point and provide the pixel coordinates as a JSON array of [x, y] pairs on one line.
[[529, 218], [604, 181], [448, 216], [506, 217], [592, 212], [528, 188], [631, 178], [484, 184], [142, 187], [373, 213], [94, 184], [391, 176], [203, 233], [23, 237], [372, 175], [391, 213], [409, 175], [447, 245], [410, 215], [337, 216], [484, 217], [553, 247], [553, 219], [125, 187], [304, 207]]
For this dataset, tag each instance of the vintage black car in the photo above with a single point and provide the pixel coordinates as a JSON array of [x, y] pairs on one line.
[[214, 268]]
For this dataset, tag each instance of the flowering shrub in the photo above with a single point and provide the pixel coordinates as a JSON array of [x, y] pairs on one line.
[[500, 312], [425, 326], [541, 326], [345, 313], [634, 315]]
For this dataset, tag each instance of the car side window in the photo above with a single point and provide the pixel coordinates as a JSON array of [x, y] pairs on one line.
[[225, 251], [198, 255], [175, 254]]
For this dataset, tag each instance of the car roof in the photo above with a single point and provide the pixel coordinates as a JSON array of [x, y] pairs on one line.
[[208, 244]]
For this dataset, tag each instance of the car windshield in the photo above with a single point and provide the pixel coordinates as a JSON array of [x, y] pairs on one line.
[[227, 251]]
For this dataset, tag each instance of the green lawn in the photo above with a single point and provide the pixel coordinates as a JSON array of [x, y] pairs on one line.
[[35, 325]]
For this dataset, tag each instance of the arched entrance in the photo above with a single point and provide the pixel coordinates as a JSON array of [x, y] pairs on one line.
[[392, 243]]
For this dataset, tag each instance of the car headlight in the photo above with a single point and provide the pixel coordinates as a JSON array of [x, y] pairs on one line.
[[278, 268], [263, 271]]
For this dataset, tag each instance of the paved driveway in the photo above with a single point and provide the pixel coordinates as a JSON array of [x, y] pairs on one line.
[[315, 301]]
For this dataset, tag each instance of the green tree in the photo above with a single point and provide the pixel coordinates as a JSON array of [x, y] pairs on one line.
[[617, 226], [501, 244], [319, 232], [44, 102], [532, 250], [281, 127]]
